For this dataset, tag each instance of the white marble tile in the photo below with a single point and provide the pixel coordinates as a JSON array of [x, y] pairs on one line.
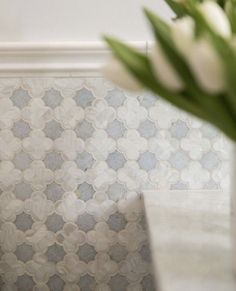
[[190, 240]]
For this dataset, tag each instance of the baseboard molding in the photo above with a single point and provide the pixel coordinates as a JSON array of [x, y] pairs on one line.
[[56, 59]]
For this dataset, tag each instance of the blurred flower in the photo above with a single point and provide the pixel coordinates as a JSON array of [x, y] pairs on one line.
[[206, 66], [119, 75], [199, 54], [216, 17], [163, 70], [182, 31], [184, 57]]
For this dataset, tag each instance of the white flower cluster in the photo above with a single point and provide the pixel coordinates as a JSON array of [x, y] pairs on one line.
[[198, 52]]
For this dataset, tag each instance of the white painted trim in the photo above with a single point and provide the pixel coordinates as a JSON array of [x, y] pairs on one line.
[[55, 59]]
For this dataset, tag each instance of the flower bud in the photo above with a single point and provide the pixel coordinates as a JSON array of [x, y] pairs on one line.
[[182, 31], [216, 17], [164, 71], [116, 72], [206, 66]]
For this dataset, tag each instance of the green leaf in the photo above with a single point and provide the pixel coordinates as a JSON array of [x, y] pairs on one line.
[[225, 51], [209, 103], [178, 8], [163, 35], [162, 32], [230, 9], [139, 66]]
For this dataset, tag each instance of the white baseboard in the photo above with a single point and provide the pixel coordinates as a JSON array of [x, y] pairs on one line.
[[55, 59]]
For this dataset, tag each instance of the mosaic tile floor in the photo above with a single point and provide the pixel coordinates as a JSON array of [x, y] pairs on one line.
[[75, 155]]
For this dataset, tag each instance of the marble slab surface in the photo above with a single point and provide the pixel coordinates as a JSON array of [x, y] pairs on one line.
[[190, 240]]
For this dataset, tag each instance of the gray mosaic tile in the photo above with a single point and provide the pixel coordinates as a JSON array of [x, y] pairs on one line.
[[24, 221], [84, 161], [148, 283], [86, 222], [25, 283], [115, 98], [117, 221], [24, 252], [102, 103], [55, 283], [86, 253], [20, 98], [116, 129], [143, 222], [179, 129], [118, 253], [87, 283], [84, 130], [54, 192], [211, 185], [147, 161], [147, 129], [147, 100], [116, 160], [54, 222], [1, 253], [179, 160], [85, 191], [21, 129], [209, 131], [145, 253], [210, 161], [53, 129], [53, 161], [22, 161], [116, 191], [179, 186], [55, 253], [23, 191], [52, 98], [84, 97], [118, 283]]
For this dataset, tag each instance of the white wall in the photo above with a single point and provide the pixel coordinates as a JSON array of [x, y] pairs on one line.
[[75, 20]]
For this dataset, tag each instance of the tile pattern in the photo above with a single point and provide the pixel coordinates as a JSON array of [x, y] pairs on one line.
[[75, 155]]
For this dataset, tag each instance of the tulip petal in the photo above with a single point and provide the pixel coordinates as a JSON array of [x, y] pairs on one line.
[[183, 31], [216, 18], [206, 66], [119, 75], [164, 71]]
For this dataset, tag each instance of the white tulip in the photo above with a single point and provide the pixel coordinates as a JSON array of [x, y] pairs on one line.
[[216, 17], [206, 66], [164, 71], [183, 30], [116, 72]]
